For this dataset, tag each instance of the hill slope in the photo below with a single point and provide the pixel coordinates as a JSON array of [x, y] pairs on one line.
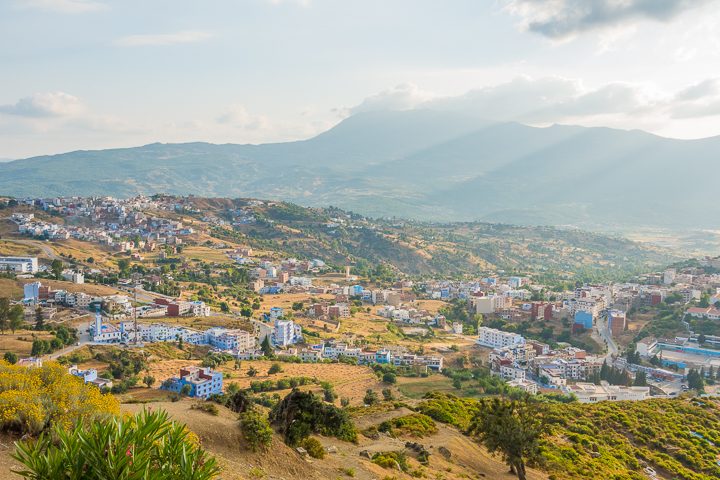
[[417, 164]]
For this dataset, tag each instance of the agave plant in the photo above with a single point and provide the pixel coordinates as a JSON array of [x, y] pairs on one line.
[[145, 446]]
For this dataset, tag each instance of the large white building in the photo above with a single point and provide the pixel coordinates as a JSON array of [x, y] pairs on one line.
[[19, 264], [490, 337], [591, 393]]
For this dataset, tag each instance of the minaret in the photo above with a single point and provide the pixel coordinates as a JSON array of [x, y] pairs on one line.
[[98, 322]]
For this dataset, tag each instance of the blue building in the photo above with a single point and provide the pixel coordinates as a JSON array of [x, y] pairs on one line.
[[584, 318], [202, 380]]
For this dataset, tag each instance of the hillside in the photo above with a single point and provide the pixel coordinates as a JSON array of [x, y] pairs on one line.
[[419, 248], [418, 164]]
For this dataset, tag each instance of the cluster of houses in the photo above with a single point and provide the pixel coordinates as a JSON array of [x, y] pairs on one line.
[[530, 365], [397, 356], [114, 222], [115, 306]]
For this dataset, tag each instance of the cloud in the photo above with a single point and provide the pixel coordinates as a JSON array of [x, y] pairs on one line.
[[163, 39], [63, 6], [239, 117], [402, 97], [699, 100], [53, 104], [560, 19]]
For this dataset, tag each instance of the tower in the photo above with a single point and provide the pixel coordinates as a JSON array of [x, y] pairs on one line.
[[98, 321]]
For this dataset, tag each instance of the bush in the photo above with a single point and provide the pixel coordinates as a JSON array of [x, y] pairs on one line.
[[389, 377], [256, 430], [313, 447], [10, 357], [415, 424], [35, 399], [447, 408], [370, 398], [300, 414], [275, 368], [391, 460], [206, 407], [127, 447]]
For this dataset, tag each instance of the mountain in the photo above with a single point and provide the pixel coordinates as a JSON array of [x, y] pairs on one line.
[[418, 164]]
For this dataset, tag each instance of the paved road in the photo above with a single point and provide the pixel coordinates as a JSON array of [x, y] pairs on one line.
[[35, 243], [602, 331]]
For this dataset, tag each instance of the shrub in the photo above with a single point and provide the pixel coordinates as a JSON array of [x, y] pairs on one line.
[[370, 398], [389, 377], [128, 447], [300, 414], [275, 368], [415, 424], [10, 357], [256, 430], [34, 399], [448, 408], [391, 460], [313, 447], [206, 407]]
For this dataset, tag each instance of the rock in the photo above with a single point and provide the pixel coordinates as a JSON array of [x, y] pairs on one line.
[[365, 454], [301, 451], [331, 449], [445, 452]]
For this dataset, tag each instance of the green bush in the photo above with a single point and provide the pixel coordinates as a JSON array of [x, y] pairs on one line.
[[301, 414], [122, 448], [256, 430], [313, 447], [391, 460], [415, 425]]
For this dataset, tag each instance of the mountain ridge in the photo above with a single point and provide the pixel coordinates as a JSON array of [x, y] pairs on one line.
[[418, 164]]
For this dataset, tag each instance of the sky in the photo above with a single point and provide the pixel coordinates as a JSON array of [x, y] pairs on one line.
[[90, 74]]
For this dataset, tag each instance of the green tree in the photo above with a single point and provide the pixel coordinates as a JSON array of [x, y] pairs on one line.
[[266, 347], [640, 379], [512, 428], [389, 377], [256, 430], [16, 317], [252, 372], [4, 313], [56, 267], [39, 320], [149, 380], [11, 358], [186, 390], [275, 368], [123, 265]]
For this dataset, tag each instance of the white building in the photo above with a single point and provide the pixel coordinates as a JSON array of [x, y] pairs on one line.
[[527, 385], [19, 264], [491, 337], [489, 304], [591, 393]]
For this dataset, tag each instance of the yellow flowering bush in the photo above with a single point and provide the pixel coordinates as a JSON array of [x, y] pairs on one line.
[[33, 399]]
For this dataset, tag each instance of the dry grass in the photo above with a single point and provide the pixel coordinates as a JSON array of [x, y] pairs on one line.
[[20, 342]]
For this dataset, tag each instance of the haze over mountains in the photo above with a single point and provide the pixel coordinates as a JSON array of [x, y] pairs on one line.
[[419, 164]]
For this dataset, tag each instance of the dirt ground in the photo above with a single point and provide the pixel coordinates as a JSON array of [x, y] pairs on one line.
[[221, 436]]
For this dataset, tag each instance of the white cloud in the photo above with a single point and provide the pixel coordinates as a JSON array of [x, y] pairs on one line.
[[238, 116], [162, 39], [559, 19], [63, 6], [402, 97], [52, 104], [548, 100]]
